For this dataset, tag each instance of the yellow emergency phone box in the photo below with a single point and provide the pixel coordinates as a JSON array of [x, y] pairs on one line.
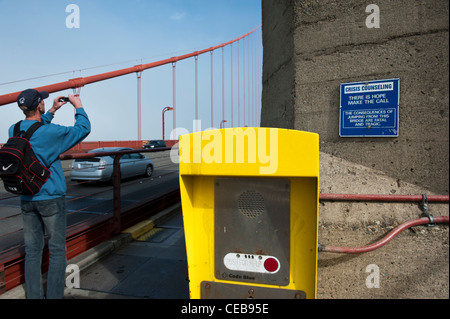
[[250, 210]]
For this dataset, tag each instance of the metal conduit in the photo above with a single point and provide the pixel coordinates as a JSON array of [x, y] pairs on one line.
[[386, 239], [424, 199], [383, 198]]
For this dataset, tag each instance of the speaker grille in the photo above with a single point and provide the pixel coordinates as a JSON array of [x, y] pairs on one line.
[[251, 204]]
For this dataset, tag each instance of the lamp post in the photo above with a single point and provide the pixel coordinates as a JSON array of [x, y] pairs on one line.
[[167, 108], [222, 123]]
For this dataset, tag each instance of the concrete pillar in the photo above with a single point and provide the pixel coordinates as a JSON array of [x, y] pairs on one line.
[[311, 47]]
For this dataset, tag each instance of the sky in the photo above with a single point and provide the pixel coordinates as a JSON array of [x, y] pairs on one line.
[[41, 44]]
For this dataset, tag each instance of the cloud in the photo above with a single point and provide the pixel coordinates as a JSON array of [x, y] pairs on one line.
[[178, 16]]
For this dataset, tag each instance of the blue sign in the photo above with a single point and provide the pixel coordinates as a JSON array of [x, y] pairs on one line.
[[370, 109]]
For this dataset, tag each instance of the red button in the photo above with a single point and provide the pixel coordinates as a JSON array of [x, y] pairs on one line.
[[271, 264]]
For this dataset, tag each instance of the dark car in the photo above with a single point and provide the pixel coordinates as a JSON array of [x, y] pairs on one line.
[[155, 144]]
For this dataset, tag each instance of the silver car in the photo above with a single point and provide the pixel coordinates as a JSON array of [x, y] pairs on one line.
[[101, 168]]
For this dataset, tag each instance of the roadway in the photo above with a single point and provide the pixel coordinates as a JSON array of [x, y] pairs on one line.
[[90, 200]]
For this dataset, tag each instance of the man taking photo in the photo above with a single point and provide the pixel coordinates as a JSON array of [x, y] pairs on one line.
[[45, 212]]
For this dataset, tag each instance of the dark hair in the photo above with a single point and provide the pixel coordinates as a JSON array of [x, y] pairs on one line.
[[27, 112]]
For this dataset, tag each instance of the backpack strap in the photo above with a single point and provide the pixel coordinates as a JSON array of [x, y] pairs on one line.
[[32, 129], [27, 135], [17, 131]]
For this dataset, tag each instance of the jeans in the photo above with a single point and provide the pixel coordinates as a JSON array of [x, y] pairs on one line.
[[41, 218]]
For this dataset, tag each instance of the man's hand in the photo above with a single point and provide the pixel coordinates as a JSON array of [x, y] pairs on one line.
[[75, 100], [56, 104]]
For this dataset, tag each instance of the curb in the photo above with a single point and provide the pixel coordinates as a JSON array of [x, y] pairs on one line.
[[145, 226]]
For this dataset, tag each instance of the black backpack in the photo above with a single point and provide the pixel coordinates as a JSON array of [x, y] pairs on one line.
[[20, 170]]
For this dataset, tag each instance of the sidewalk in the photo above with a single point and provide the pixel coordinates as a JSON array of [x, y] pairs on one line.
[[154, 266]]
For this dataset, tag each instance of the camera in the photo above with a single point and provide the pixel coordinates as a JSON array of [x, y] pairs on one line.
[[64, 99]]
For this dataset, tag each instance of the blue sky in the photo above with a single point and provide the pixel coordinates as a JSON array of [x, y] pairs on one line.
[[116, 34]]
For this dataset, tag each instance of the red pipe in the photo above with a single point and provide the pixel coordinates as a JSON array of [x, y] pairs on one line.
[[384, 198], [79, 82], [385, 240]]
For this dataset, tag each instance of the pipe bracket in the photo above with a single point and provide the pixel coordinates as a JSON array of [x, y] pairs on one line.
[[425, 211]]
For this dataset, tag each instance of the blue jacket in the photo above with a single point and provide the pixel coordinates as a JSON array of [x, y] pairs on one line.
[[48, 142]]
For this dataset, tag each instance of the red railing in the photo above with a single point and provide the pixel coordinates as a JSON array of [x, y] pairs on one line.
[[90, 145]]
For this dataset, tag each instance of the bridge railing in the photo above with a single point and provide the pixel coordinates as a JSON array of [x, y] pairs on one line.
[[84, 235], [116, 176], [90, 145]]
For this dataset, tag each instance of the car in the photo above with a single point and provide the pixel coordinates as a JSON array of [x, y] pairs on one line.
[[155, 144], [100, 168]]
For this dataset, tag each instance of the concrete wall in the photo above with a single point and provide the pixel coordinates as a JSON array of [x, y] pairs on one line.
[[311, 47]]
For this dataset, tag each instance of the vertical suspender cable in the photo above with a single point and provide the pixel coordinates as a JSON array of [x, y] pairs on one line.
[[249, 83], [196, 94], [238, 87], [257, 81], [232, 115], [139, 137], [212, 93], [223, 85], [174, 100], [260, 81], [250, 80], [254, 81], [243, 78]]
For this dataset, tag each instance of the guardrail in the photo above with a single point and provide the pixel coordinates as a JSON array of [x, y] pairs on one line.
[[90, 145]]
